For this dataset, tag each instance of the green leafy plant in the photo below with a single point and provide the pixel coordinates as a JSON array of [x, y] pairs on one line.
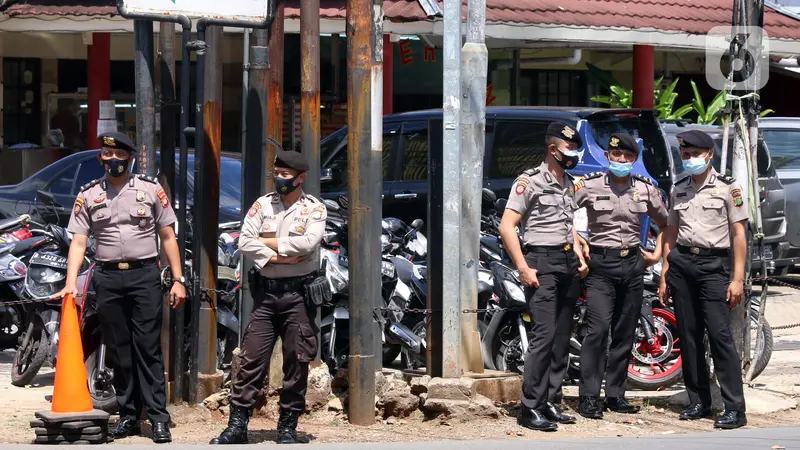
[[712, 113]]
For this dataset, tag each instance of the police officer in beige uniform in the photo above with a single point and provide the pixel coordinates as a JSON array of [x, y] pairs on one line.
[[281, 233], [542, 199], [615, 202], [707, 209], [126, 213]]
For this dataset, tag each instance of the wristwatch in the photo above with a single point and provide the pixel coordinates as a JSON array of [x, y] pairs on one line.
[[181, 280]]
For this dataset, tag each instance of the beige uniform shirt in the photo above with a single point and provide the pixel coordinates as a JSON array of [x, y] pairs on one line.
[[615, 215], [547, 208], [299, 230], [703, 215], [123, 222]]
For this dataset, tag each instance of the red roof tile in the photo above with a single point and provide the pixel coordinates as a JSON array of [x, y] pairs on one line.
[[689, 16]]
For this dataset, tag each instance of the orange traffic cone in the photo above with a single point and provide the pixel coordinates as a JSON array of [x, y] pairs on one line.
[[71, 389]]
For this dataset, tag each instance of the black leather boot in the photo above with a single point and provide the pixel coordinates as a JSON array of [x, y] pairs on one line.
[[590, 409], [730, 420], [535, 420], [620, 405], [126, 427], [236, 433], [287, 427]]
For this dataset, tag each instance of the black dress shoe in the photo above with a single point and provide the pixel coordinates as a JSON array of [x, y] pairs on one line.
[[125, 428], [535, 420], [590, 409], [554, 413], [730, 420], [161, 433], [620, 405], [695, 412]]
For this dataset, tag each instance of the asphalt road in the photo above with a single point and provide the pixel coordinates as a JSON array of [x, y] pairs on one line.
[[763, 438]]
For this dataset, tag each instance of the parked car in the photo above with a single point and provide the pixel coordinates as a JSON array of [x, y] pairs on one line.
[[64, 178], [771, 195], [782, 135], [515, 141]]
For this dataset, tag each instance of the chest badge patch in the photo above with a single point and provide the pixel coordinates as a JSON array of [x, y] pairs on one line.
[[304, 211], [140, 196], [140, 211], [636, 196], [737, 197], [715, 191], [268, 227], [100, 198], [300, 229]]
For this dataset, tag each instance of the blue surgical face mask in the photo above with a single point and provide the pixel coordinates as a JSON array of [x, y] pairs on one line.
[[620, 169], [695, 166]]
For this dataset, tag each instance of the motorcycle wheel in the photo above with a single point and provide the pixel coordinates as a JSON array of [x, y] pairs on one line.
[[510, 357], [658, 365], [417, 325], [9, 335], [31, 358], [761, 351], [103, 393]]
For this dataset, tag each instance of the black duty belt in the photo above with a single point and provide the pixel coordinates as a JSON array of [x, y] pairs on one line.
[[126, 265], [700, 251], [619, 252], [287, 284], [548, 248]]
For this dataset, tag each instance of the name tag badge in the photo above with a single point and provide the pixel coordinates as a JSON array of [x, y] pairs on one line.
[[680, 194], [604, 197], [548, 191]]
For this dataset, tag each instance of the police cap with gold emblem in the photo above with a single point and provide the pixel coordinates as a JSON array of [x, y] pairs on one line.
[[623, 141], [695, 139], [291, 159], [115, 139], [563, 131]]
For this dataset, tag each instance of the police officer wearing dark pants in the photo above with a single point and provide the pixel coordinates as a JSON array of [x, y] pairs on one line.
[[615, 202], [281, 234], [542, 200], [126, 213], [706, 276]]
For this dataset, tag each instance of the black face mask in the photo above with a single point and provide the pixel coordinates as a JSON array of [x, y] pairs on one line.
[[568, 162], [116, 167], [285, 186]]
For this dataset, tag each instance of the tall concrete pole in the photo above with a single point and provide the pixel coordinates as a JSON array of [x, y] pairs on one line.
[[145, 96], [474, 69]]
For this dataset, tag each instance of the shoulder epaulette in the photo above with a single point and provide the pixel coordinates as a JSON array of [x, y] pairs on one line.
[[593, 175], [726, 179], [90, 184], [643, 179], [148, 178], [531, 172]]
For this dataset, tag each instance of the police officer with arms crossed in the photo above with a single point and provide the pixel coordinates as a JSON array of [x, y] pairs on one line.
[[542, 199], [615, 202], [127, 213], [281, 233], [707, 208]]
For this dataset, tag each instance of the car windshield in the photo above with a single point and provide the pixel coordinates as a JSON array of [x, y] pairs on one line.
[[783, 146], [230, 183], [654, 152], [330, 144]]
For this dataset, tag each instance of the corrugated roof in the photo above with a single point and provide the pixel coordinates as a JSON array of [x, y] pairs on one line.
[[688, 16]]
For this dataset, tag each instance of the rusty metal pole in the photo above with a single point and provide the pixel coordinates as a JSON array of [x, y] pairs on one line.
[[309, 92], [166, 68], [275, 111], [364, 249], [209, 162]]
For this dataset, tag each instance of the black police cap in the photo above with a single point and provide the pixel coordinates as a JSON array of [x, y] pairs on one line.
[[291, 159], [115, 139], [563, 131], [695, 139], [623, 141]]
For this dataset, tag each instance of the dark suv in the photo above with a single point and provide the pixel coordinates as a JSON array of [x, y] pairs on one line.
[[771, 195], [515, 141]]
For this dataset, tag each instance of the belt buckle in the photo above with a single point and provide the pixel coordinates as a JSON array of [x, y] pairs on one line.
[[624, 252], [695, 251], [123, 266], [567, 247]]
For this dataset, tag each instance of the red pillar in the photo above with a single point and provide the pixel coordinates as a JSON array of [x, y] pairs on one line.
[[388, 80], [99, 82], [643, 72]]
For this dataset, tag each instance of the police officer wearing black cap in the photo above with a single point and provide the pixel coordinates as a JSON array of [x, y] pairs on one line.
[[281, 234], [127, 213], [615, 202], [542, 199], [705, 277]]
